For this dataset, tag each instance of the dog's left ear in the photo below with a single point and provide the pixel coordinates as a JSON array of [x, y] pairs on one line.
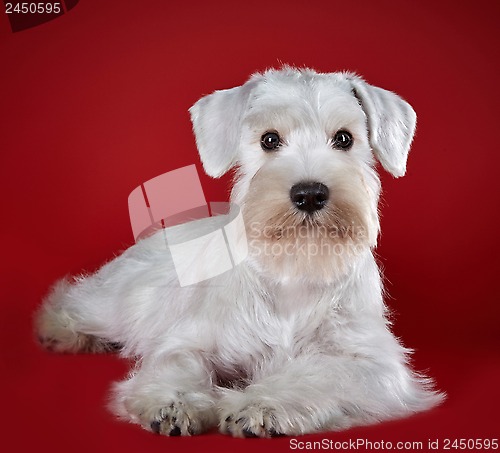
[[391, 124], [216, 122]]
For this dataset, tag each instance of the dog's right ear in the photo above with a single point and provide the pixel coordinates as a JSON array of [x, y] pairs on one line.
[[216, 122]]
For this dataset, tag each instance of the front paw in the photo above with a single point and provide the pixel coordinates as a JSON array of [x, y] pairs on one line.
[[175, 419], [252, 421]]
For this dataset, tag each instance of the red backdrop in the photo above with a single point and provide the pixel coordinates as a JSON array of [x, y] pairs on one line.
[[95, 102]]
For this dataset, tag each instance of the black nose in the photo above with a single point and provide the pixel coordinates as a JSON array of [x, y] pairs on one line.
[[309, 196]]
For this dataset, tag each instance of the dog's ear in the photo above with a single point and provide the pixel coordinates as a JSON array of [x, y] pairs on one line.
[[391, 124], [216, 122]]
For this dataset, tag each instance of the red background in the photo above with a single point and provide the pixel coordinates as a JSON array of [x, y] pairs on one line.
[[95, 102]]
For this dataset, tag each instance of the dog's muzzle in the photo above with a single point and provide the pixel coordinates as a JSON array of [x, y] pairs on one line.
[[309, 196]]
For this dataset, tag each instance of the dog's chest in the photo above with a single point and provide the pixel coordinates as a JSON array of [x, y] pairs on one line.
[[291, 321]]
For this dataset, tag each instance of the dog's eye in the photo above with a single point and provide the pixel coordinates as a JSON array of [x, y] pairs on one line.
[[270, 141], [342, 140]]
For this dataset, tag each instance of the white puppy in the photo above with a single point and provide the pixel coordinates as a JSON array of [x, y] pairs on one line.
[[295, 338]]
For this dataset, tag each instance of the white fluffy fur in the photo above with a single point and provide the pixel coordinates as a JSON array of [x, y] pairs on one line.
[[285, 343]]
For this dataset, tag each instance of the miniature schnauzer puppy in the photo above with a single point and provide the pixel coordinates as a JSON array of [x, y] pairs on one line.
[[295, 339]]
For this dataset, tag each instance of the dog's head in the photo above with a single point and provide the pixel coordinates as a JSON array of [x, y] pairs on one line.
[[303, 146]]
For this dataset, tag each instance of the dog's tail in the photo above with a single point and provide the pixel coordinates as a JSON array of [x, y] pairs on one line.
[[58, 324]]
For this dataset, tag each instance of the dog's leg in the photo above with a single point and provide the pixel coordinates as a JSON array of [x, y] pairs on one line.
[[318, 393], [172, 396]]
